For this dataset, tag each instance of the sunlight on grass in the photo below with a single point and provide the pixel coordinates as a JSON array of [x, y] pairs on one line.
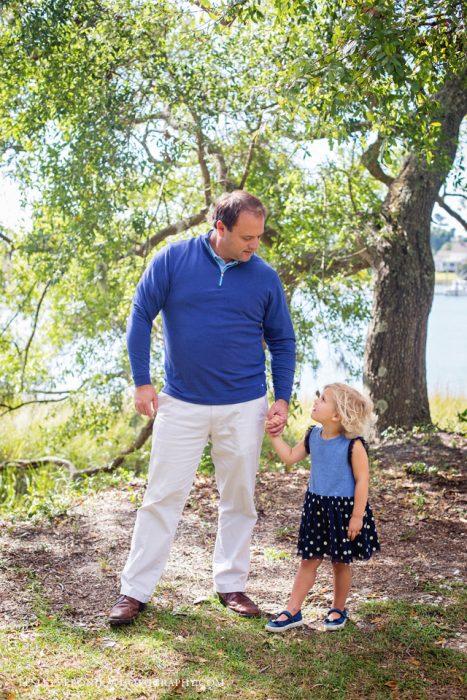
[[446, 411], [208, 652], [43, 430]]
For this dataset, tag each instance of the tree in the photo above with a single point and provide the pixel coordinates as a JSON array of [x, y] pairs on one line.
[[105, 113], [396, 70], [131, 118]]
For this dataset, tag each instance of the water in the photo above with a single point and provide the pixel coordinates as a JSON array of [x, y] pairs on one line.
[[447, 345], [446, 352]]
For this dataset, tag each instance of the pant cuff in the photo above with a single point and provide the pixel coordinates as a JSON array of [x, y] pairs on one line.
[[233, 588], [134, 593]]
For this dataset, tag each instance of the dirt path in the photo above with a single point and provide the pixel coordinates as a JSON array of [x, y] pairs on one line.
[[74, 562]]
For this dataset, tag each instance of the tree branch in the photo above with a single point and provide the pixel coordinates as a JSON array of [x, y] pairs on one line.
[[36, 463], [10, 409], [330, 264], [63, 393], [154, 217], [327, 263], [250, 155], [154, 116], [220, 18], [171, 229], [31, 337], [370, 160], [451, 212], [455, 194], [142, 437], [201, 152], [143, 143], [7, 240], [223, 176], [351, 192], [26, 298]]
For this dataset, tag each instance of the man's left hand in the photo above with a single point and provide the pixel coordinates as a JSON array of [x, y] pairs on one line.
[[279, 408]]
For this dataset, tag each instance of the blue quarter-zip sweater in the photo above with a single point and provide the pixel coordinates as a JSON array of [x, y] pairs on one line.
[[213, 326]]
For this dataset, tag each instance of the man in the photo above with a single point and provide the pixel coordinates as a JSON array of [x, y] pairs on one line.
[[218, 300]]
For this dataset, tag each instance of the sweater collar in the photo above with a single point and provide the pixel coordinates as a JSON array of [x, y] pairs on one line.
[[220, 261]]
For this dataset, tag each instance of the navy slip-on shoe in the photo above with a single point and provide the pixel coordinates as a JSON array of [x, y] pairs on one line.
[[338, 623], [292, 621]]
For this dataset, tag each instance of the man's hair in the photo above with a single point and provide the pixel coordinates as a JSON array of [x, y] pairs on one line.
[[230, 205], [355, 409]]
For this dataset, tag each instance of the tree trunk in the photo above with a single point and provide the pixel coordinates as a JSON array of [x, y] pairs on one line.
[[395, 352], [395, 367]]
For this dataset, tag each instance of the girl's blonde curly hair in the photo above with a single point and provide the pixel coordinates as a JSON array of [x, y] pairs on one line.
[[355, 410]]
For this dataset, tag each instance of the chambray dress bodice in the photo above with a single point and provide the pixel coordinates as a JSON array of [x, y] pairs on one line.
[[331, 473]]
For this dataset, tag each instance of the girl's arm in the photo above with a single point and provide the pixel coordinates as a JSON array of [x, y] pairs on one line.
[[289, 455], [362, 476]]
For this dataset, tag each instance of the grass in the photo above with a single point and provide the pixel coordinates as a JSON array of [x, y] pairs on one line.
[[391, 649], [48, 492], [445, 412], [445, 277], [40, 431], [86, 442], [394, 650]]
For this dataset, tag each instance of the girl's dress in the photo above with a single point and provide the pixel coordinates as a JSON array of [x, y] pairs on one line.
[[329, 501]]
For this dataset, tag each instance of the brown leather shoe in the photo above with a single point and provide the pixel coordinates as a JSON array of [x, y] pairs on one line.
[[239, 603], [125, 610]]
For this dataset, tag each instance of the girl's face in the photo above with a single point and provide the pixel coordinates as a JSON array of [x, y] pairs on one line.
[[324, 408]]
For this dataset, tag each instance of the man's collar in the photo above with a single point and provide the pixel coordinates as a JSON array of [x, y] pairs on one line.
[[217, 257]]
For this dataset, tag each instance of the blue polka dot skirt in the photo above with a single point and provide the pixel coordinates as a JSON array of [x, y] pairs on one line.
[[323, 530]]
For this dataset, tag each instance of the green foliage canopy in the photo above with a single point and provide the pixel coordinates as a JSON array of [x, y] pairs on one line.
[[124, 120]]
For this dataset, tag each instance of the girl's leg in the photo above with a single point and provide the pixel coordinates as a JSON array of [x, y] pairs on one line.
[[304, 580], [342, 581]]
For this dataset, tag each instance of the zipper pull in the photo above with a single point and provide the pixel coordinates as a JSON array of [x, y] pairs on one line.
[[220, 279]]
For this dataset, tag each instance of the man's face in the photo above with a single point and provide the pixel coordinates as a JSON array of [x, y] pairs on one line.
[[242, 240]]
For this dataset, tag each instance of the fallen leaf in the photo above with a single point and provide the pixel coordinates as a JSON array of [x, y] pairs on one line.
[[441, 642], [412, 660], [391, 684]]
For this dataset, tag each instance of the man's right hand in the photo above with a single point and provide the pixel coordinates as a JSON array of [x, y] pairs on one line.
[[146, 400]]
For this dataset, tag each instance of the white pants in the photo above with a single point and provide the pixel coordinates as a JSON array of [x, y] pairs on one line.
[[181, 431]]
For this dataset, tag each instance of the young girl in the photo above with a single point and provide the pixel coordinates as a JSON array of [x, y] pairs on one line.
[[336, 518]]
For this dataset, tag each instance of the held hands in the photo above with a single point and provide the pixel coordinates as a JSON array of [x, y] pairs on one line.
[[146, 400], [355, 526], [273, 424], [277, 418]]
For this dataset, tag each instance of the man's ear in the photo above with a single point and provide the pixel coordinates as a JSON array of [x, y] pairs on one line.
[[220, 228]]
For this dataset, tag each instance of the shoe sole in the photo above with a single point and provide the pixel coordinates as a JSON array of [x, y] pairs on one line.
[[335, 628], [235, 612], [117, 623], [284, 629]]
